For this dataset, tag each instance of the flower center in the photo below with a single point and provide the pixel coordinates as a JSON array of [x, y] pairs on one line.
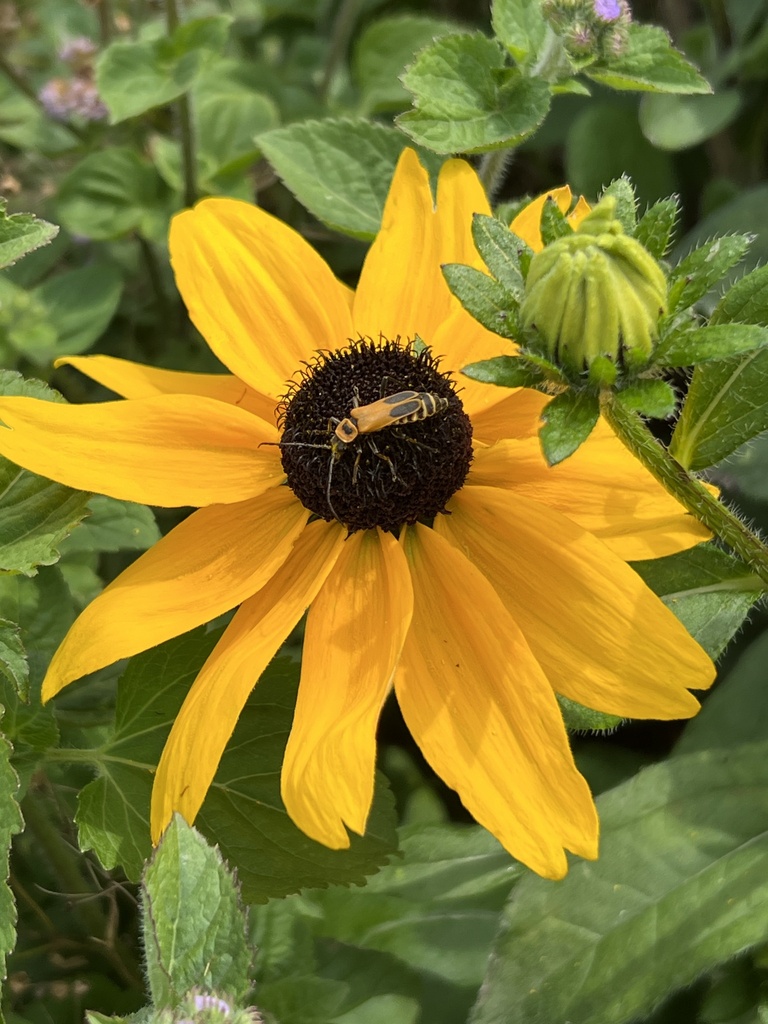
[[375, 435]]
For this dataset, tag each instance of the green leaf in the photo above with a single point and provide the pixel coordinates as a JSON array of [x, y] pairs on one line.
[[135, 77], [568, 421], [710, 591], [580, 719], [382, 52], [21, 233], [736, 712], [35, 514], [501, 251], [679, 122], [650, 64], [13, 657], [654, 398], [10, 825], [694, 275], [467, 100], [554, 224], [727, 404], [339, 169], [484, 298], [745, 302], [26, 126], [109, 193], [227, 124], [113, 525], [80, 304], [504, 371], [687, 346], [520, 26], [604, 141], [684, 853], [193, 923], [655, 227], [243, 812], [622, 190], [746, 471]]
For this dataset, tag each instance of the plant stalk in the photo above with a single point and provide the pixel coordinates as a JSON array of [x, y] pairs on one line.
[[184, 113]]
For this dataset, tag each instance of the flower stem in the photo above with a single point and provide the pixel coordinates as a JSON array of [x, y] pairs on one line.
[[492, 169], [691, 493], [343, 27], [184, 111], [23, 86]]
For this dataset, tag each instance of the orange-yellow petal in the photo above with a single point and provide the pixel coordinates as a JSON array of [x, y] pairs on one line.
[[260, 295], [484, 714], [211, 709], [355, 632], [601, 487], [518, 414], [601, 635], [172, 450], [526, 224], [134, 380], [208, 564]]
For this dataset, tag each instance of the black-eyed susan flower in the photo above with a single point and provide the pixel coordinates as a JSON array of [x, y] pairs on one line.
[[438, 555]]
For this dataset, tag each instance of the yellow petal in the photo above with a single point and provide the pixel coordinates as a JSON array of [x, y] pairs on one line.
[[602, 487], [484, 715], [355, 632], [518, 415], [260, 295], [208, 564], [526, 224], [172, 450], [133, 380], [211, 709], [601, 635]]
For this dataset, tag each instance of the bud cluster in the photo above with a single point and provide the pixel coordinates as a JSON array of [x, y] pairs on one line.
[[590, 29]]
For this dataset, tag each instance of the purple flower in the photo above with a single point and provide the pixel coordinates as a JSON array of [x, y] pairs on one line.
[[64, 98], [608, 10], [76, 50]]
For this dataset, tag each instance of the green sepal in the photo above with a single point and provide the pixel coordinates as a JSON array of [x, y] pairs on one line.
[[484, 298], [504, 372], [553, 223], [701, 269], [745, 302], [578, 718], [652, 397], [569, 419], [501, 251], [692, 345], [625, 211], [654, 229]]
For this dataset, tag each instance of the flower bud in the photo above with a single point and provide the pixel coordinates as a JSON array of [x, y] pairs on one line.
[[595, 297]]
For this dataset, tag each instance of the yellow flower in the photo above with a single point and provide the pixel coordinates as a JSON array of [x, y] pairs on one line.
[[476, 618]]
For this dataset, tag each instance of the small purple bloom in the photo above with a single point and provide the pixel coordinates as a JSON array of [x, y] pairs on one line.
[[608, 10], [207, 1002], [77, 49], [63, 98]]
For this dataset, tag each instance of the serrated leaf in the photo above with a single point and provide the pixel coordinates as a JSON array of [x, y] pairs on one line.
[[684, 851], [383, 51], [243, 812], [339, 169], [679, 122], [504, 371], [690, 345], [10, 825], [654, 398], [35, 514], [13, 657], [727, 404], [484, 298], [135, 77], [21, 233], [467, 100], [501, 251], [520, 26], [736, 711], [745, 302], [109, 193], [193, 923], [711, 592], [568, 420], [655, 227], [113, 525], [694, 275], [622, 190], [651, 64]]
